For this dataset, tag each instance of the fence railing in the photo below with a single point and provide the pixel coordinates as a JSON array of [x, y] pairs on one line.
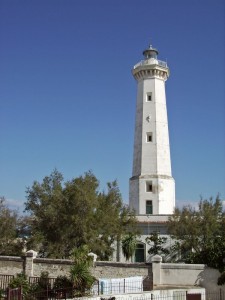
[[114, 288], [14, 294], [122, 285], [146, 62], [34, 279], [100, 287], [5, 280]]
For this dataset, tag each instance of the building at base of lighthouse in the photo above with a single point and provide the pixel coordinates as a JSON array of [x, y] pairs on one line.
[[152, 187]]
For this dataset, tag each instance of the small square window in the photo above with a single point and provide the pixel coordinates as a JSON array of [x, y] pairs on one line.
[[149, 207], [149, 97], [149, 186], [149, 137]]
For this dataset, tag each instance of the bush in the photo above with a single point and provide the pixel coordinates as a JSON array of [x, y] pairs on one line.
[[62, 282], [20, 281], [80, 273], [221, 279], [40, 289], [82, 279], [63, 287], [2, 294]]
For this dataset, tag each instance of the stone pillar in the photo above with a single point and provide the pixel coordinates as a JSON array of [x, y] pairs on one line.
[[30, 255], [94, 257], [156, 269]]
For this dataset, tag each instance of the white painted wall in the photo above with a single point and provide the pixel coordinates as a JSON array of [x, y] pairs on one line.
[[151, 160], [157, 294], [174, 274]]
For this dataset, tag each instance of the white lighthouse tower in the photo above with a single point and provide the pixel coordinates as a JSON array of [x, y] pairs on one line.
[[152, 187]]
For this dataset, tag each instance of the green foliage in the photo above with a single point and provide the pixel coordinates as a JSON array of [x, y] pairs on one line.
[[20, 280], [67, 215], [80, 256], [62, 282], [2, 293], [200, 233], [10, 243], [156, 242], [43, 283], [80, 273], [221, 279], [129, 245], [82, 279], [40, 289]]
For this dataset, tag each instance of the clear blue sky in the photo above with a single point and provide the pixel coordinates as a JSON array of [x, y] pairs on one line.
[[67, 96]]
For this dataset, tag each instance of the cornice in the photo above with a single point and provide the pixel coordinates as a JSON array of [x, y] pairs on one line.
[[150, 71]]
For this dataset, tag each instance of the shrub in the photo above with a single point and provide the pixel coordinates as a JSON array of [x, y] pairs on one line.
[[221, 279], [62, 282], [20, 280]]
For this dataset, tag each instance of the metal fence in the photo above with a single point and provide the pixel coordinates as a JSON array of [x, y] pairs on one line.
[[107, 292], [100, 287], [115, 286], [14, 294], [5, 280], [49, 281], [220, 295]]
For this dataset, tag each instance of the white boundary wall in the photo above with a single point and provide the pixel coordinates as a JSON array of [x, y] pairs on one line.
[[178, 275], [157, 294]]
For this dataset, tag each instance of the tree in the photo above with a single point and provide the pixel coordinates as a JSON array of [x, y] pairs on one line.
[[114, 220], [67, 215], [156, 242], [10, 243], [129, 245], [200, 233]]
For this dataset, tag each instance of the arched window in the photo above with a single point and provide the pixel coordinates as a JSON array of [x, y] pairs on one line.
[[140, 252]]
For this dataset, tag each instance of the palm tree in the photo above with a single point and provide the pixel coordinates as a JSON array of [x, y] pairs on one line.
[[129, 245], [82, 279], [80, 273]]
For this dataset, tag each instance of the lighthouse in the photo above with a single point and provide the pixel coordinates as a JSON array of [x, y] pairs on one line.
[[152, 187]]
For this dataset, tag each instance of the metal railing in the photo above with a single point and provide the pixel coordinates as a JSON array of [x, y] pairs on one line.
[[121, 286], [146, 62], [105, 287], [5, 280], [124, 287], [34, 279]]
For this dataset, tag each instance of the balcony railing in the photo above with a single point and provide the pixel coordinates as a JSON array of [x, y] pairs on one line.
[[146, 62]]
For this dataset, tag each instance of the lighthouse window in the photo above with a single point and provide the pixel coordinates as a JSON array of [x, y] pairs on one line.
[[149, 97], [149, 186], [149, 137], [149, 207]]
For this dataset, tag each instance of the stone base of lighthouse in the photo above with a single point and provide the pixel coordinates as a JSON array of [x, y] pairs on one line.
[[155, 190]]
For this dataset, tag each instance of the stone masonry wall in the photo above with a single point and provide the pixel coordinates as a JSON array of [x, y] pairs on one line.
[[54, 267], [34, 266], [120, 270], [11, 265]]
